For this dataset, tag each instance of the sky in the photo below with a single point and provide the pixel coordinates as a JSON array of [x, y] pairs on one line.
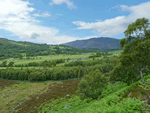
[[61, 21]]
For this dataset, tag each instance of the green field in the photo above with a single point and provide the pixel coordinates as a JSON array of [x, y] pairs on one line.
[[116, 52], [51, 57], [54, 57]]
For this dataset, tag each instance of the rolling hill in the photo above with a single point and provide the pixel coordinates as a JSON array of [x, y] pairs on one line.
[[15, 49]]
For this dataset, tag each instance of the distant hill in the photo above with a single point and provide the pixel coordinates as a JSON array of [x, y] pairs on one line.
[[102, 43], [15, 49]]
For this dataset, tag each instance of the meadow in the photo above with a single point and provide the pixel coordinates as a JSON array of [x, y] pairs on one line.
[[50, 57]]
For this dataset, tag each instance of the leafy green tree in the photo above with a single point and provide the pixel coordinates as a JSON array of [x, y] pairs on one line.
[[136, 52], [139, 26], [10, 64], [91, 85], [4, 64], [122, 73]]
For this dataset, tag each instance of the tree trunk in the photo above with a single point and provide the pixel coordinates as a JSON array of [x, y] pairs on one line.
[[141, 76]]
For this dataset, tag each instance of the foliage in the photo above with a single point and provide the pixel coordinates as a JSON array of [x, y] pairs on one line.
[[24, 50], [100, 54], [43, 63], [108, 60], [91, 85], [136, 52], [111, 88], [11, 64], [112, 102], [124, 74], [4, 64]]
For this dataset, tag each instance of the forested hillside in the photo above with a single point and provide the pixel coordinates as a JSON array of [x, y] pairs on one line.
[[14, 49]]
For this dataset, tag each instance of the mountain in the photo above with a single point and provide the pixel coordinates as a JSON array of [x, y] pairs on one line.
[[102, 43]]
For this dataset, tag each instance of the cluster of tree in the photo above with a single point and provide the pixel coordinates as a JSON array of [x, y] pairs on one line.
[[92, 63], [4, 64], [42, 64], [135, 58], [132, 62], [57, 73], [105, 53]]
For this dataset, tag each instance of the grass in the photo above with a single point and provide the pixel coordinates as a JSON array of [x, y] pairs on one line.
[[14, 95], [25, 96], [21, 95], [55, 57], [51, 57], [116, 52]]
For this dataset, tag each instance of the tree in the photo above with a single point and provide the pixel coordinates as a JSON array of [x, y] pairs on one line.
[[4, 64], [122, 73], [91, 85], [139, 26], [136, 52], [10, 64]]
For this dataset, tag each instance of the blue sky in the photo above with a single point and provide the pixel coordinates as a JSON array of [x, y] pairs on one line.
[[60, 21]]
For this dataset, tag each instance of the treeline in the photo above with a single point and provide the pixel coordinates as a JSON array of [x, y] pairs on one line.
[[42, 64], [45, 63], [91, 63], [4, 64], [57, 73], [105, 53]]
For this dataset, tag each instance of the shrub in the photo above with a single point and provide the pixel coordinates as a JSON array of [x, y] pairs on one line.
[[91, 85]]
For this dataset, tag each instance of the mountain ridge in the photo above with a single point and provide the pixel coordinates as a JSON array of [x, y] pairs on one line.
[[97, 43]]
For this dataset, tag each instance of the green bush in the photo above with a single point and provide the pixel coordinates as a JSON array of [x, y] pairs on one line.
[[91, 85]]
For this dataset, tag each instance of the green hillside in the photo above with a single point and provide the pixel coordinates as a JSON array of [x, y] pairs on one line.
[[17, 49]]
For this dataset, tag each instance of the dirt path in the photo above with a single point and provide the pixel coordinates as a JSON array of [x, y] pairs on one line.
[[6, 83], [57, 90]]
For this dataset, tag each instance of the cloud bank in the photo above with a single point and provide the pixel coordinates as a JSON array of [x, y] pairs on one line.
[[115, 26], [15, 17]]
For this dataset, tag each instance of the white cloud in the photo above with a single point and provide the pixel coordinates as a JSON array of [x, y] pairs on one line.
[[115, 26], [70, 4], [59, 14], [42, 15], [15, 17]]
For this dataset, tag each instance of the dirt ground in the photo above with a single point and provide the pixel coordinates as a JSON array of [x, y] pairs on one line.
[[57, 90], [6, 83]]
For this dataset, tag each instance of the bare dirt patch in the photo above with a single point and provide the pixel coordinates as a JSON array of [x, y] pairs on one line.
[[53, 92], [6, 83]]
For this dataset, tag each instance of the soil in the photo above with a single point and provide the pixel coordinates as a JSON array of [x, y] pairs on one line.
[[54, 91], [6, 83]]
